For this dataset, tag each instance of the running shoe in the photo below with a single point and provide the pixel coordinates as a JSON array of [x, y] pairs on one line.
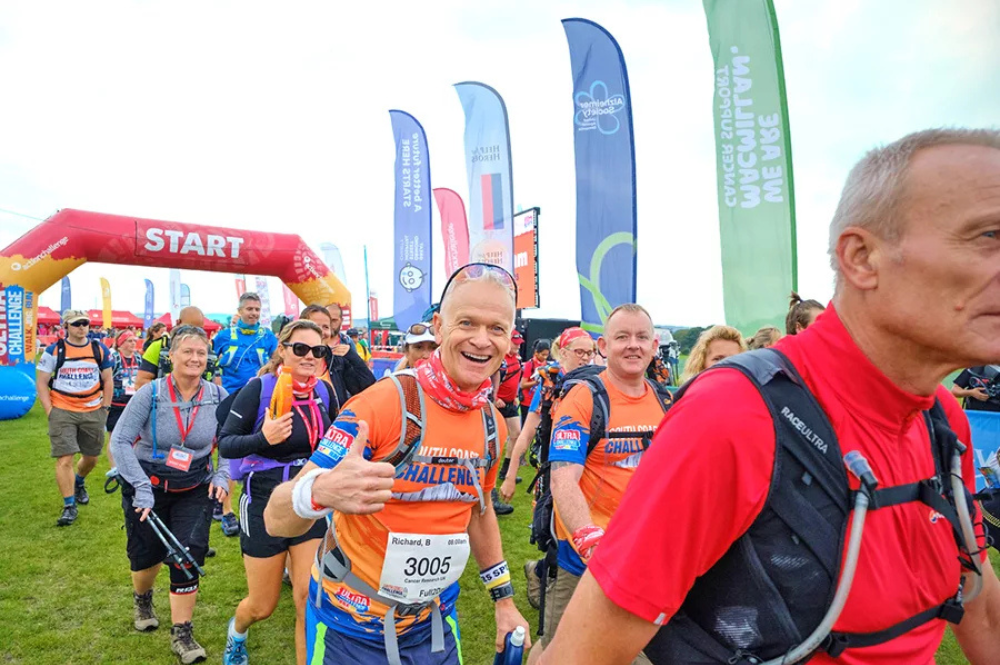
[[183, 644], [68, 516], [230, 524], [81, 495], [142, 611], [236, 649]]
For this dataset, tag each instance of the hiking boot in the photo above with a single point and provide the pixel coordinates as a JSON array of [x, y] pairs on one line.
[[68, 516], [534, 585], [499, 507], [183, 644], [230, 525], [81, 495], [217, 511], [142, 611], [236, 649]]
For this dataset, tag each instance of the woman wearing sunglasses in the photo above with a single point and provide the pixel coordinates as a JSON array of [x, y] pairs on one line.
[[573, 348], [273, 450], [418, 345]]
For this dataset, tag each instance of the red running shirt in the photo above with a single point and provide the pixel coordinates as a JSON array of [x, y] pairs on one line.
[[705, 479]]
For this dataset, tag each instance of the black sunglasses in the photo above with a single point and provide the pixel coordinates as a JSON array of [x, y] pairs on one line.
[[299, 349], [80, 324]]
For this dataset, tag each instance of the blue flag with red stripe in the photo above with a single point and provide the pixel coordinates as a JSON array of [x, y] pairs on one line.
[[488, 163]]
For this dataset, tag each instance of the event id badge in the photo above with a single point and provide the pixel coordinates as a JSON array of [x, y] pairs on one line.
[[418, 567], [129, 385], [179, 459]]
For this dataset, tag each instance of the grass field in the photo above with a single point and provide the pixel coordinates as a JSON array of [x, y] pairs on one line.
[[65, 595]]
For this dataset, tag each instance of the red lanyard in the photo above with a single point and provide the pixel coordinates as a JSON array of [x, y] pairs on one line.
[[312, 423], [177, 410]]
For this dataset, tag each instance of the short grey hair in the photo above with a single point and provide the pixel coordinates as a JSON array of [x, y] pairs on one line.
[[875, 187], [249, 295]]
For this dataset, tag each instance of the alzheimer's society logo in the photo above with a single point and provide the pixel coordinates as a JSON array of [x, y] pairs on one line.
[[596, 109], [411, 277]]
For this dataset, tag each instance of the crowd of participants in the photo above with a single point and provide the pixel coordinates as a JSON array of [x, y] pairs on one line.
[[701, 525]]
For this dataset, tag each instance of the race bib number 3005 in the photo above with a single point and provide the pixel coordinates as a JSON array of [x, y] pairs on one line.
[[418, 567]]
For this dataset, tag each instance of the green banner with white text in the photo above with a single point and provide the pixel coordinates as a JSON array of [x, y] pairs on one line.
[[754, 159]]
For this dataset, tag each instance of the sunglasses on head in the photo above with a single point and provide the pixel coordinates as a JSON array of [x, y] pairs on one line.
[[301, 350], [80, 324], [420, 329], [187, 329], [477, 270]]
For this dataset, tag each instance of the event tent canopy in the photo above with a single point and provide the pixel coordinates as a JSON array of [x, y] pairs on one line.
[[119, 318], [48, 316]]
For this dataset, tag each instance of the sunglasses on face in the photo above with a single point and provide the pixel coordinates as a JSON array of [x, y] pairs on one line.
[[299, 349], [80, 324], [477, 270], [420, 329]]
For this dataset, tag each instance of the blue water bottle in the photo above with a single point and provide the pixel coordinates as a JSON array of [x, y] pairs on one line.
[[513, 649]]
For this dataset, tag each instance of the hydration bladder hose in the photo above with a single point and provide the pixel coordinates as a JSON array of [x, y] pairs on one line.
[[965, 521], [859, 467]]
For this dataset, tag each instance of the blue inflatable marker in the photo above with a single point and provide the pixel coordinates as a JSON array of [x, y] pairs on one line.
[[17, 390]]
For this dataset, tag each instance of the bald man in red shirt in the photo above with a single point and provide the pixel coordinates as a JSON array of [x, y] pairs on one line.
[[915, 244]]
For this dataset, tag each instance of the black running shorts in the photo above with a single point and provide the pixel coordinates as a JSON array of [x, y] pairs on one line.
[[255, 541]]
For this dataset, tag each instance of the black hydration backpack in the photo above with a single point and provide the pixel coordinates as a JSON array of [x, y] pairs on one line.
[[773, 587], [542, 519]]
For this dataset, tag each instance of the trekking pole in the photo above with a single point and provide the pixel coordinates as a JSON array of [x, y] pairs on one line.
[[180, 554], [185, 551]]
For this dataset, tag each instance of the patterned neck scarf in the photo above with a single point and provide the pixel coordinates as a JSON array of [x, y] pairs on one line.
[[301, 389], [438, 385]]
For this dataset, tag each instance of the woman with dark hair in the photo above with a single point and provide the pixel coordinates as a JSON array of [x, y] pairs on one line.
[[529, 379], [801, 314], [274, 425], [155, 332]]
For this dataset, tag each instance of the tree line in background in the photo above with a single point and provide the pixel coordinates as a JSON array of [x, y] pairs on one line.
[[687, 337]]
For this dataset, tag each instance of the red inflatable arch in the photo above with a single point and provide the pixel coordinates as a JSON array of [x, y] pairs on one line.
[[70, 238]]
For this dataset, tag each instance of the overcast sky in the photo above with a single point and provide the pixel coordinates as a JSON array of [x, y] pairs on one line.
[[274, 116]]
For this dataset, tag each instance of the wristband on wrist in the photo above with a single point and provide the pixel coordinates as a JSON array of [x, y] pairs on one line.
[[501, 592], [302, 501], [497, 581]]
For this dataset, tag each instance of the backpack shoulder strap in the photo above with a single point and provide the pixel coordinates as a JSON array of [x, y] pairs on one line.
[[267, 384], [411, 401], [803, 428], [490, 445], [663, 396], [601, 412], [60, 355]]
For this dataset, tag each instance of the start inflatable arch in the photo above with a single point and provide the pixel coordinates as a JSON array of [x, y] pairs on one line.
[[70, 238]]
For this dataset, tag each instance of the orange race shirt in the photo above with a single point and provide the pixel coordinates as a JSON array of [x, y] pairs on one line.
[[608, 469], [76, 385], [432, 502]]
